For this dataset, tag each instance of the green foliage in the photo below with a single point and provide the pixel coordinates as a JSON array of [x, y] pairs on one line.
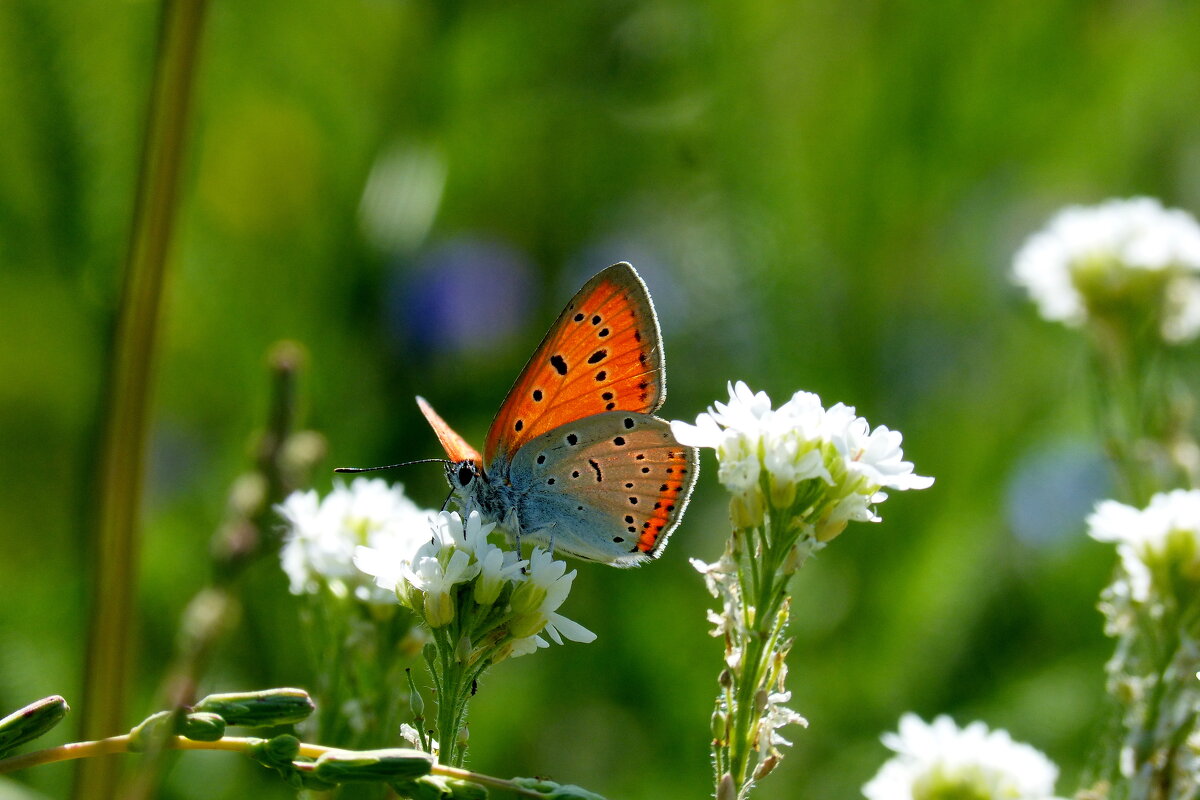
[[819, 195]]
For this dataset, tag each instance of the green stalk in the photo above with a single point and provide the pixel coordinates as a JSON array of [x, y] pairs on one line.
[[126, 421], [120, 744], [765, 592]]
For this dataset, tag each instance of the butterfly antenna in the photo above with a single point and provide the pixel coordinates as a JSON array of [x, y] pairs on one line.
[[393, 466]]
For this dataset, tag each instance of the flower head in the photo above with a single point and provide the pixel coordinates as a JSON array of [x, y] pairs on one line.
[[829, 460], [1159, 546], [457, 557], [940, 761], [1120, 257], [322, 535]]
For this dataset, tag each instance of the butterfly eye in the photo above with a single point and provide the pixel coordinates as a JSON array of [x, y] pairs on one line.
[[466, 472]]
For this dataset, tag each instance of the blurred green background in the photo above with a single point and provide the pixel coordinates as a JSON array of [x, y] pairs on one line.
[[819, 195]]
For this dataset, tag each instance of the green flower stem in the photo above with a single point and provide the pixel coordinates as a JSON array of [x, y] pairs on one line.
[[761, 579], [487, 780], [1156, 749], [453, 694], [1143, 412], [450, 711], [454, 673], [121, 744], [126, 418]]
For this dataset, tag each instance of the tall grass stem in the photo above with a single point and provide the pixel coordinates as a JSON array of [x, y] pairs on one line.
[[126, 419]]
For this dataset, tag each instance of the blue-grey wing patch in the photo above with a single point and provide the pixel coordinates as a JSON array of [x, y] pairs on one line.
[[609, 487]]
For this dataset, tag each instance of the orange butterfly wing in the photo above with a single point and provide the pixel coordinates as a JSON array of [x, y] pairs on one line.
[[455, 446], [603, 353]]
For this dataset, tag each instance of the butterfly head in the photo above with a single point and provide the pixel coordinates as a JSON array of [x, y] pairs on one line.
[[462, 475]]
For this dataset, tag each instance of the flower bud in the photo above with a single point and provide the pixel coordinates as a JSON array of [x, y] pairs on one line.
[[30, 722], [436, 787], [416, 703], [827, 530], [725, 789], [392, 764], [439, 609], [765, 768], [783, 491], [502, 652], [147, 730], [746, 510], [555, 791], [527, 624], [527, 597], [199, 726], [464, 790], [260, 709], [202, 726], [462, 651], [720, 726], [277, 751], [793, 560], [488, 586]]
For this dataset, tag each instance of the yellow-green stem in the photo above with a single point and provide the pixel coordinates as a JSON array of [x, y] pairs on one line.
[[120, 744], [126, 417]]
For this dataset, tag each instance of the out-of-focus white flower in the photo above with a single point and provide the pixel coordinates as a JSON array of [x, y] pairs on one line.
[[940, 761], [319, 546], [1133, 252], [831, 457], [1163, 538]]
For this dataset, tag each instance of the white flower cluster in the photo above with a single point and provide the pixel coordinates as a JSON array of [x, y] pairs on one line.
[[828, 459], [941, 761], [318, 548], [1121, 251], [458, 560], [1161, 540]]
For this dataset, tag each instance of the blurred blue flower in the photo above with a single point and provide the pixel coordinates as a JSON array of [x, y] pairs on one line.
[[1052, 489], [463, 296]]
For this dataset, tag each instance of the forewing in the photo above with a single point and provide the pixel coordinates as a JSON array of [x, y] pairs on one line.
[[455, 446], [607, 488], [603, 353]]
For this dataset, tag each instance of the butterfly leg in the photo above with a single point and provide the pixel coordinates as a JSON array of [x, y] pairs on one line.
[[513, 523]]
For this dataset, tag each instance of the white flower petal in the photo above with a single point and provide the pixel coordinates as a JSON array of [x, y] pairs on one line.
[[972, 761]]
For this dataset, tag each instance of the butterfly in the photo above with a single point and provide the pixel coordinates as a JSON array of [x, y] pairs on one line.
[[575, 458]]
